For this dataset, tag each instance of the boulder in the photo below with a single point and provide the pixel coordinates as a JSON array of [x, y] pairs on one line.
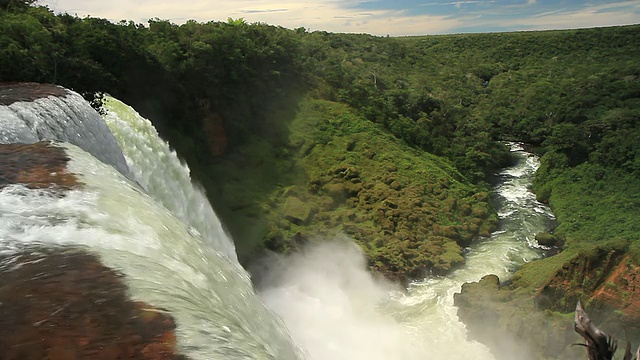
[[296, 210], [546, 239], [217, 139]]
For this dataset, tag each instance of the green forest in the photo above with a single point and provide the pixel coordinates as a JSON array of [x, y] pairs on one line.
[[393, 141]]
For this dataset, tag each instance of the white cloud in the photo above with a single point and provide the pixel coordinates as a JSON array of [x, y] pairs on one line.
[[343, 16], [328, 15], [594, 16]]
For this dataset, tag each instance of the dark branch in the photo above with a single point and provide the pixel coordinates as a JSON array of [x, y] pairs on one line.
[[599, 345]]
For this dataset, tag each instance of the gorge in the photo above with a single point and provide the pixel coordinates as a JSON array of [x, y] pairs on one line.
[[329, 303], [377, 153]]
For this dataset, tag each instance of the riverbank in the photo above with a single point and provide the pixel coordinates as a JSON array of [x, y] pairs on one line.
[[596, 211]]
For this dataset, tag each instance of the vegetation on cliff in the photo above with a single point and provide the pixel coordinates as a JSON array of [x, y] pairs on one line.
[[410, 211]]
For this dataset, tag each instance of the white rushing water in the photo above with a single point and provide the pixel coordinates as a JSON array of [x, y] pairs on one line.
[[336, 310], [157, 168], [217, 313], [66, 118], [166, 264]]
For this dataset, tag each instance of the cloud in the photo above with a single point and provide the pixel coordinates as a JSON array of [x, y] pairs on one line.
[[260, 11], [348, 16], [458, 4], [327, 15], [593, 16]]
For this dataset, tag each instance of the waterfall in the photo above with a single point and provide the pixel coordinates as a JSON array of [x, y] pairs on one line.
[[66, 118], [164, 262], [164, 177]]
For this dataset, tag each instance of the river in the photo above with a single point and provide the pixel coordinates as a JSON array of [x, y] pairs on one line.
[[336, 310]]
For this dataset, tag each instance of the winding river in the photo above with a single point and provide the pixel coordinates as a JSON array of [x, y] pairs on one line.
[[335, 310]]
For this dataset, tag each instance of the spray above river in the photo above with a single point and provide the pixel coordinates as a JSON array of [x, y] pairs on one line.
[[336, 310]]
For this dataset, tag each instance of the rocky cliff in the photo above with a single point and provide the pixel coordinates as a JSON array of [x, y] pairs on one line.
[[535, 310]]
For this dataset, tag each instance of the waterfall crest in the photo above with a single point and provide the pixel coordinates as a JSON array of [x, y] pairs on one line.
[[191, 274], [157, 168], [63, 118]]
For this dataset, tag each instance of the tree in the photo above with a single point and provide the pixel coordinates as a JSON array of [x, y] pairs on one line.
[[13, 5]]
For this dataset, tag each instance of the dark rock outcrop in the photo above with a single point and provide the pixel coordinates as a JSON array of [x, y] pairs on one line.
[[296, 210], [36, 166], [535, 316], [11, 92], [63, 304], [509, 324], [547, 239], [216, 135]]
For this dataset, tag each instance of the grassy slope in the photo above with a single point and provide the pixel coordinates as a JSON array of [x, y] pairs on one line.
[[339, 173]]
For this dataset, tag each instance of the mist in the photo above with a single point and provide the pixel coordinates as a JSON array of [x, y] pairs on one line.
[[336, 309], [331, 305]]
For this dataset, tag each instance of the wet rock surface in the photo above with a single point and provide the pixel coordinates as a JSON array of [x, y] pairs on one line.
[[36, 166], [11, 92], [64, 304], [510, 325]]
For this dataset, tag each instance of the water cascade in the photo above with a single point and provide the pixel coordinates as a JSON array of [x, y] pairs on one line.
[[165, 264], [165, 178], [64, 117]]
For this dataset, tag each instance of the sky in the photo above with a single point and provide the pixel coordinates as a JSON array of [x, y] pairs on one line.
[[377, 17]]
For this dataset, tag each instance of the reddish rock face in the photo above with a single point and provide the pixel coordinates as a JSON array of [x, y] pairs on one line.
[[213, 126], [11, 92], [608, 280], [621, 289], [63, 304], [37, 166]]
